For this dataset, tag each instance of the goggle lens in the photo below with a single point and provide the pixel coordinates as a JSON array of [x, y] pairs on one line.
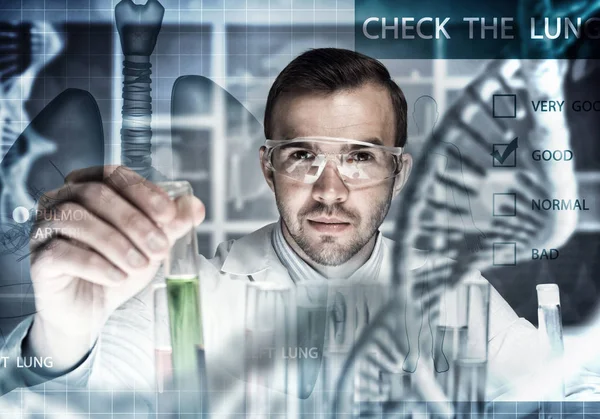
[[361, 164]]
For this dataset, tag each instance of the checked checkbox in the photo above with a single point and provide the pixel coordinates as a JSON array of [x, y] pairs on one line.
[[505, 205], [505, 155]]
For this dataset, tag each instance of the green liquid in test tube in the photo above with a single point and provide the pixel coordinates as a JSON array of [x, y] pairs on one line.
[[185, 314]]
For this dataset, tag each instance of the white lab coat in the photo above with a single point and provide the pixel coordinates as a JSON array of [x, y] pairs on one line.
[[512, 340], [123, 358]]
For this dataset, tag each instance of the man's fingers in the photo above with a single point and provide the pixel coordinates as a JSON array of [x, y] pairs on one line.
[[190, 213], [140, 210], [62, 257], [75, 222], [108, 205], [140, 192], [143, 194]]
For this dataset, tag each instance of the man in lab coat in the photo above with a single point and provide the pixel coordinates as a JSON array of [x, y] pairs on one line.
[[93, 294]]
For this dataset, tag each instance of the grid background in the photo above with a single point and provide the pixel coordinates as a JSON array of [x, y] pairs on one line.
[[242, 45]]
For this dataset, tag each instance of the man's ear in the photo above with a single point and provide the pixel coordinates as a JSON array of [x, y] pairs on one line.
[[267, 173], [402, 177]]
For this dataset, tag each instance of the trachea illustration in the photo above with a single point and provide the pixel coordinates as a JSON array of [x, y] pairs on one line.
[[138, 26]]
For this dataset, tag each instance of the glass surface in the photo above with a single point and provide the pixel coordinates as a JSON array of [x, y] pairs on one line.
[[185, 312], [448, 341], [268, 345], [311, 322], [478, 308], [182, 259], [162, 339], [185, 324], [551, 339], [371, 383], [471, 361], [341, 324]]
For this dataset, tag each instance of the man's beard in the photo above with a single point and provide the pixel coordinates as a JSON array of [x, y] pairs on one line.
[[327, 251]]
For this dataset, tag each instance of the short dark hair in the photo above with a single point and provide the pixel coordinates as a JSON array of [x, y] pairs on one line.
[[327, 70]]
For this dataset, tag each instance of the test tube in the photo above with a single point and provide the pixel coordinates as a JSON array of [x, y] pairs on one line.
[[185, 314], [471, 364], [371, 299], [551, 337], [162, 340], [310, 329], [450, 338], [340, 326], [267, 349]]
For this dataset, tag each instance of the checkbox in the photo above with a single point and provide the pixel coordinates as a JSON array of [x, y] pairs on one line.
[[509, 160], [504, 253], [505, 205], [504, 106]]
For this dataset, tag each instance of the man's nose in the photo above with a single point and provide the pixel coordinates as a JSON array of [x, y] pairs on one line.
[[329, 187]]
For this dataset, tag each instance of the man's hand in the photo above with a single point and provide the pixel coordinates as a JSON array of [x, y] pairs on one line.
[[98, 241]]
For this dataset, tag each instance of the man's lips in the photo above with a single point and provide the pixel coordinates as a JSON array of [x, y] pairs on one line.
[[328, 225], [328, 220]]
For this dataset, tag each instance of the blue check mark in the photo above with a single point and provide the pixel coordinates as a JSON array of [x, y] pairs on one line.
[[512, 146]]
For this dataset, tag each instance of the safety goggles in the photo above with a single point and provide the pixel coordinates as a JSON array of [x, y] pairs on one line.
[[359, 163]]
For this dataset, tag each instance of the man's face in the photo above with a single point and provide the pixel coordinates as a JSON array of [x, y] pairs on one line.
[[326, 220]]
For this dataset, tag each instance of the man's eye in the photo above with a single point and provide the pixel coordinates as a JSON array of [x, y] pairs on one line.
[[301, 155], [360, 157]]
